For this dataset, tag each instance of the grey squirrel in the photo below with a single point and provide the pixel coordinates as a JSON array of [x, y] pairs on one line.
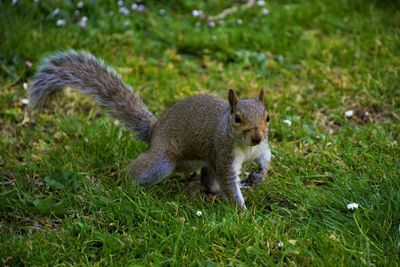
[[203, 129]]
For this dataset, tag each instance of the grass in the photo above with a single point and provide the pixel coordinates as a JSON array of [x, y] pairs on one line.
[[64, 196]]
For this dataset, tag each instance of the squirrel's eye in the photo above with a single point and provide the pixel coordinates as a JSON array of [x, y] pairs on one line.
[[238, 119], [267, 118]]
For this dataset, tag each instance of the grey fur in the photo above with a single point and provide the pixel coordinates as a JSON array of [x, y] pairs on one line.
[[91, 76], [203, 129]]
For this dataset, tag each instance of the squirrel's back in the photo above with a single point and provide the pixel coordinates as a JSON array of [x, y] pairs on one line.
[[189, 126]]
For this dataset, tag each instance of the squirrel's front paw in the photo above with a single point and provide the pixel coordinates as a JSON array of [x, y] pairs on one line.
[[255, 178]]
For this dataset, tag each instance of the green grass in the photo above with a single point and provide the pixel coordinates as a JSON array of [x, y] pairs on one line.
[[64, 196]]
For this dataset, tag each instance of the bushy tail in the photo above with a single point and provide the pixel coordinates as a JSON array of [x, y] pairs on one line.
[[89, 75]]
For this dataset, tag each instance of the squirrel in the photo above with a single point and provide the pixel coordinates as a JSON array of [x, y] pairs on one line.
[[220, 135]]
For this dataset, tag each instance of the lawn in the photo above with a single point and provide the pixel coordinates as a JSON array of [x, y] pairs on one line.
[[331, 70]]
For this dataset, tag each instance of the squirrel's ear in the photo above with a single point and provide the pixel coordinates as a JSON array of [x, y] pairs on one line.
[[261, 95], [233, 99]]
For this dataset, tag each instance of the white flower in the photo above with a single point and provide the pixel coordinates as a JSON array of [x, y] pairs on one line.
[[260, 3], [83, 22], [80, 5], [265, 11], [239, 22], [199, 213], [25, 86], [56, 12], [352, 206], [280, 244], [140, 8], [14, 2], [211, 24], [162, 11], [60, 22], [120, 3], [116, 122], [25, 101], [124, 11], [197, 13], [137, 7], [287, 122], [349, 113]]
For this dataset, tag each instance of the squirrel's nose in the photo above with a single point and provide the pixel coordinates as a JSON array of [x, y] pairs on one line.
[[255, 140]]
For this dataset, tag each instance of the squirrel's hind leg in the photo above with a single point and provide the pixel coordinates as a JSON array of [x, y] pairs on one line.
[[151, 167], [209, 180]]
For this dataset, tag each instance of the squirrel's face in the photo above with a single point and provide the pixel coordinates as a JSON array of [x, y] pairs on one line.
[[248, 119]]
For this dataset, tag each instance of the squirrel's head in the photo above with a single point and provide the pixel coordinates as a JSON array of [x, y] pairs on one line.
[[248, 119]]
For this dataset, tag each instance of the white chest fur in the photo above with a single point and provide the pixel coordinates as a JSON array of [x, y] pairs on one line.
[[243, 154]]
